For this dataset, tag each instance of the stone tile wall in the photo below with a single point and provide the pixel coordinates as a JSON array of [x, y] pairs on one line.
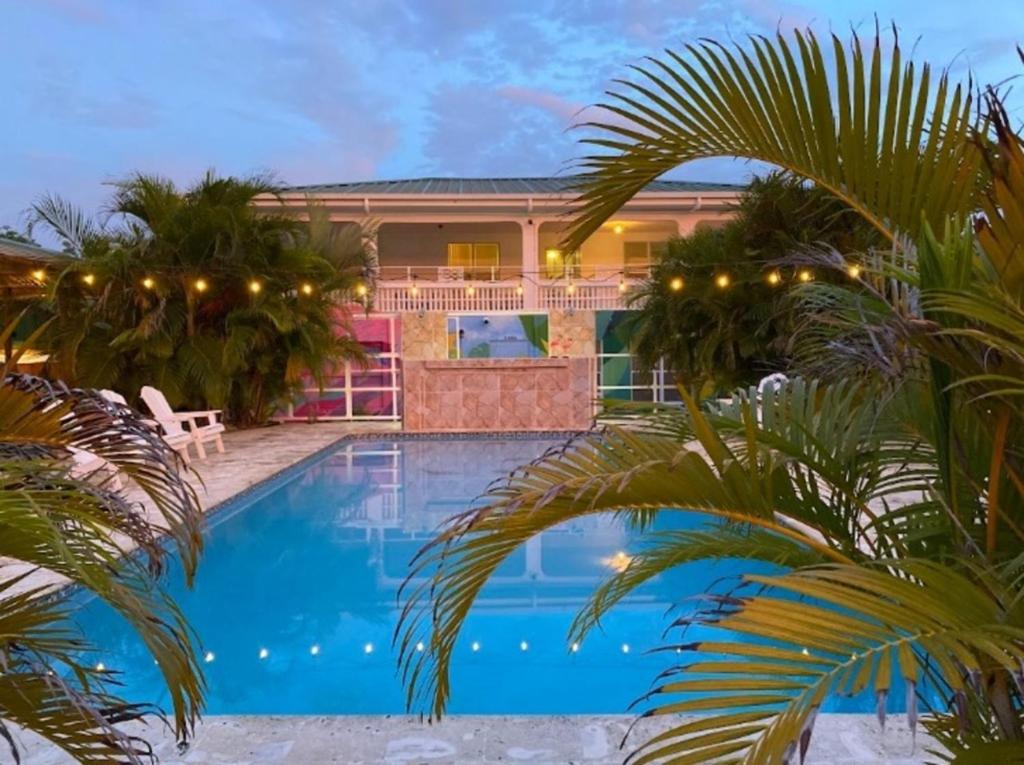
[[572, 333], [496, 395], [424, 337]]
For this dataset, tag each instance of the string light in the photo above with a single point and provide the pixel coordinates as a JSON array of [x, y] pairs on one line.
[[209, 657], [368, 649], [264, 653], [805, 275], [148, 283], [314, 650], [420, 646], [39, 275], [524, 646], [307, 288], [676, 284], [101, 667], [722, 281], [475, 647], [625, 647], [361, 290], [775, 278], [255, 287], [89, 279], [201, 285], [574, 647], [853, 270]]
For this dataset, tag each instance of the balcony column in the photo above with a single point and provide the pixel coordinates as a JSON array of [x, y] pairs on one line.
[[531, 270]]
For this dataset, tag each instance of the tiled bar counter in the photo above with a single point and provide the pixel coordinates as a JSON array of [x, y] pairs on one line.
[[498, 395]]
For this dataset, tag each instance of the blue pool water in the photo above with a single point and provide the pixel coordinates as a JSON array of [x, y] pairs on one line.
[[296, 595]]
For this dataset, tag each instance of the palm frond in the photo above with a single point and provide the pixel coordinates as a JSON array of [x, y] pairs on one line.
[[822, 631], [872, 130]]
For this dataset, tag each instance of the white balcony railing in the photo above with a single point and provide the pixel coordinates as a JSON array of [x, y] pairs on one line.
[[582, 296], [407, 297], [406, 289]]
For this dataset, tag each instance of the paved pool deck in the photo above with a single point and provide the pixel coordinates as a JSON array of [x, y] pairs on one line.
[[473, 740], [253, 456]]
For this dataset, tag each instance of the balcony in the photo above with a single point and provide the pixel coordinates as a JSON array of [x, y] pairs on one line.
[[407, 289]]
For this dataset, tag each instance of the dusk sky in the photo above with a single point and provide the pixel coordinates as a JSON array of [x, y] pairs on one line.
[[333, 90]]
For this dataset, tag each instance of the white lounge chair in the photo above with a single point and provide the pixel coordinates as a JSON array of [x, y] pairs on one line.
[[178, 441], [171, 421]]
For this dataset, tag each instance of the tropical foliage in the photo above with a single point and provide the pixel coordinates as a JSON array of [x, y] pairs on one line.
[[78, 526], [718, 306], [219, 304], [893, 498]]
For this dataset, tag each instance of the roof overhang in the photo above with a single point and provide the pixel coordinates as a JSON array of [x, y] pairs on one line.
[[355, 206]]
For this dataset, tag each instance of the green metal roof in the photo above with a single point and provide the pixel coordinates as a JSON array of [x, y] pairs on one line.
[[525, 186], [10, 248]]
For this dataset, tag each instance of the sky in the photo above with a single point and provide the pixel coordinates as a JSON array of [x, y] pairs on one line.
[[322, 91]]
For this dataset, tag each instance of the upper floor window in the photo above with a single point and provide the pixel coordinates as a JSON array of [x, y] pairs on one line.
[[561, 265], [638, 256], [475, 260]]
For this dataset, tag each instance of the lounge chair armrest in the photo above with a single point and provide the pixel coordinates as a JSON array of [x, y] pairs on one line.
[[208, 414]]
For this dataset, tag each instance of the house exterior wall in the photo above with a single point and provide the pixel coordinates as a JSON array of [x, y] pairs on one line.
[[426, 244]]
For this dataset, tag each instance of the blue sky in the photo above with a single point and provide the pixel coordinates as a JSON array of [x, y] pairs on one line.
[[322, 91]]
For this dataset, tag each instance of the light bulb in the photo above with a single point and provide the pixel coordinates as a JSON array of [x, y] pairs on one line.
[[805, 275], [314, 650], [39, 275], [361, 290], [574, 647], [420, 646], [722, 281], [368, 648], [264, 653], [414, 290], [618, 228], [307, 288], [625, 647], [622, 286], [774, 278], [519, 289], [475, 647], [471, 290], [201, 285], [148, 283], [854, 271], [570, 289], [209, 657], [524, 646], [101, 667], [89, 279], [255, 287], [676, 284]]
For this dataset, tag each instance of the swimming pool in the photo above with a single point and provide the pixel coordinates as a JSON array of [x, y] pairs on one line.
[[295, 599]]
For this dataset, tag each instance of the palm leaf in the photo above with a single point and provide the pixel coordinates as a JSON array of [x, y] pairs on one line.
[[820, 631], [878, 136]]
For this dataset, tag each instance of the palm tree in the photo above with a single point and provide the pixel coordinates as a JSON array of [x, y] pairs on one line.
[[80, 527], [896, 501], [717, 307], [217, 303]]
